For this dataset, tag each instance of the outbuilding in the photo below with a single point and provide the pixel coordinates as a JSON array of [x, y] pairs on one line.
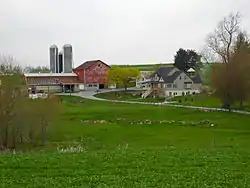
[[52, 82]]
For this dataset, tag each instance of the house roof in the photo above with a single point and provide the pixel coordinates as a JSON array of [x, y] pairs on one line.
[[88, 64], [170, 79], [164, 73], [197, 79], [164, 70]]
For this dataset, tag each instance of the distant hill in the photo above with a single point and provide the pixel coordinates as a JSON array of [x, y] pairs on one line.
[[152, 67], [147, 67]]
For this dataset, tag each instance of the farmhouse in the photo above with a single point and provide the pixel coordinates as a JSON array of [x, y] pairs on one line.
[[92, 74], [170, 82]]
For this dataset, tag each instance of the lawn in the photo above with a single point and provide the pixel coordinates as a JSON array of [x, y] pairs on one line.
[[206, 101], [128, 96], [128, 145]]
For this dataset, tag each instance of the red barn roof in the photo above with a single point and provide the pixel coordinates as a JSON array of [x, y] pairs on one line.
[[88, 64]]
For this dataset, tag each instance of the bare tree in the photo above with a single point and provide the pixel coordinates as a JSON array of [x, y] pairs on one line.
[[8, 65], [208, 56], [222, 40]]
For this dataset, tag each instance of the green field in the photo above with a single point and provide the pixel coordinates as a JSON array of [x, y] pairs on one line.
[[207, 101], [128, 96], [128, 145], [147, 67], [201, 100]]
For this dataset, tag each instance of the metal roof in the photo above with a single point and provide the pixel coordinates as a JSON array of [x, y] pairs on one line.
[[53, 46], [67, 45], [191, 70], [49, 74], [88, 64]]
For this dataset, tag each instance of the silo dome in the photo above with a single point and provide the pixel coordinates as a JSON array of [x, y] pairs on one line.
[[53, 46]]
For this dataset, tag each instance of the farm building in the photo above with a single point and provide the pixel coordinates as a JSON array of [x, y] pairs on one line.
[[52, 82], [92, 74]]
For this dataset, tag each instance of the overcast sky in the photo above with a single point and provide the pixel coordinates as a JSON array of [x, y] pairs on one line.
[[115, 31]]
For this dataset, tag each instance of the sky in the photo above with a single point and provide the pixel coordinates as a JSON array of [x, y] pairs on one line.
[[115, 31]]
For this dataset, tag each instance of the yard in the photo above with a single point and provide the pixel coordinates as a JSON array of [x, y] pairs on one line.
[[206, 101], [127, 96], [101, 144], [202, 100]]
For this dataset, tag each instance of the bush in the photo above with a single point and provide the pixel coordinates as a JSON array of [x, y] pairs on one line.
[[23, 120]]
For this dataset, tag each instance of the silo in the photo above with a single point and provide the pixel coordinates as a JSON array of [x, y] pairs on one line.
[[67, 58], [60, 62], [53, 55]]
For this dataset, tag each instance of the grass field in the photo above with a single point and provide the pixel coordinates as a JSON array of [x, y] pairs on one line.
[[202, 100], [148, 67], [128, 96], [207, 101], [127, 145]]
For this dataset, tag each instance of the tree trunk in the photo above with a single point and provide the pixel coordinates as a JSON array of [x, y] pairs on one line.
[[44, 131], [5, 143], [125, 87], [241, 104]]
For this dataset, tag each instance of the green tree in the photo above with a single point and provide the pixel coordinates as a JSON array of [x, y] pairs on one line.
[[185, 59], [122, 76]]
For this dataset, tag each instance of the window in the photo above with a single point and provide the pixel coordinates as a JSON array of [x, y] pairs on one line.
[[180, 77], [169, 85], [185, 77], [174, 85], [187, 86]]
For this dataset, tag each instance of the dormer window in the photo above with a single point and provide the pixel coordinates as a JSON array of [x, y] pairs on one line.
[[180, 77]]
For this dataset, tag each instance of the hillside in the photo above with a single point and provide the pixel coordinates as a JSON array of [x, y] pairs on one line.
[[147, 67]]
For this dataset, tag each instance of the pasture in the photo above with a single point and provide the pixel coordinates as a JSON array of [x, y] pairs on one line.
[[101, 144]]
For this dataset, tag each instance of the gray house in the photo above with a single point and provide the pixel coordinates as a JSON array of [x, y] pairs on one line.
[[171, 82]]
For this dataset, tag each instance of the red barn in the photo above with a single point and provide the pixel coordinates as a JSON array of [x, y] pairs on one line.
[[92, 74]]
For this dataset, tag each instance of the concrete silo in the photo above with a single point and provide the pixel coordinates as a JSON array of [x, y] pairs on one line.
[[60, 62], [53, 55], [67, 58]]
